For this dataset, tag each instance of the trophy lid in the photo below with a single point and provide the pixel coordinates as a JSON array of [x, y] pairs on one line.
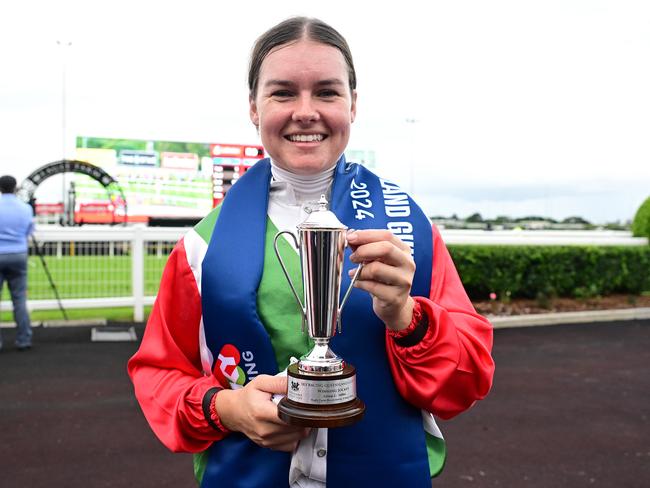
[[322, 218]]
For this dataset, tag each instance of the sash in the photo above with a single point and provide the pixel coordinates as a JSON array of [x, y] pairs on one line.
[[387, 447]]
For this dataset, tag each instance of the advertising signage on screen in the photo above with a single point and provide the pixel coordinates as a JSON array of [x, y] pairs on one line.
[[138, 158], [163, 179], [175, 160], [230, 162]]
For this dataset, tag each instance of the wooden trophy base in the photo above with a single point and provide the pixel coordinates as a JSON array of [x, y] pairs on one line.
[[317, 409]]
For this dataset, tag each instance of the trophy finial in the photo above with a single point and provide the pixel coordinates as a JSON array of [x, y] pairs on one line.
[[322, 218], [322, 203]]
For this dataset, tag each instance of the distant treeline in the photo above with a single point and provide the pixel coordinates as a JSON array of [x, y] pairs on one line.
[[476, 221]]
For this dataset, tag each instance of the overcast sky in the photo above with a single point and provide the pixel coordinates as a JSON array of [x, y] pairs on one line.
[[499, 107]]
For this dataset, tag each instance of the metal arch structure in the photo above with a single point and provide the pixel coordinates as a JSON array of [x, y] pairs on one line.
[[110, 184]]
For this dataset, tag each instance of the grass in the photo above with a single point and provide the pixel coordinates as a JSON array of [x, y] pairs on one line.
[[116, 314], [87, 277], [90, 276]]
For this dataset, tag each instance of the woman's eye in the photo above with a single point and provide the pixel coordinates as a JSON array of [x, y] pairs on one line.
[[328, 93], [281, 94]]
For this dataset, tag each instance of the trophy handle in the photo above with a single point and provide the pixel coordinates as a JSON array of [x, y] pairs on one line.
[[347, 294], [303, 310]]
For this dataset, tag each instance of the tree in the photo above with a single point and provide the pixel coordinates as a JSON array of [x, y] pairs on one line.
[[535, 218], [475, 217], [641, 222], [576, 220]]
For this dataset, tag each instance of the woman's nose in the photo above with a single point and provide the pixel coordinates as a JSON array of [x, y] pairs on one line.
[[305, 110]]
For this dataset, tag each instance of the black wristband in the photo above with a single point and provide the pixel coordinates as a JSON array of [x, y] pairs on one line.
[[417, 335], [207, 401]]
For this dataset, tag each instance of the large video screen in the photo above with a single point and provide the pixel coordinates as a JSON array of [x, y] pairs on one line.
[[158, 178]]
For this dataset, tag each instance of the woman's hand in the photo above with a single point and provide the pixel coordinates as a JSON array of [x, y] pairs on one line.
[[250, 410], [387, 274]]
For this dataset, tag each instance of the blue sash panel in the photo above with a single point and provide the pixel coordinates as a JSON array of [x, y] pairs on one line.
[[236, 462], [388, 446], [351, 178], [232, 270]]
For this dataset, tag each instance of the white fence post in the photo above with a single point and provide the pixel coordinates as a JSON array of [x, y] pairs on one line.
[[137, 272]]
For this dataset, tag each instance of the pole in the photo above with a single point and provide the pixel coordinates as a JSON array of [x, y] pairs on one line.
[[137, 272], [49, 276], [64, 51], [410, 125]]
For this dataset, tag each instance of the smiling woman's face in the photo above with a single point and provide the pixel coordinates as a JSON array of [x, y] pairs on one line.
[[304, 106]]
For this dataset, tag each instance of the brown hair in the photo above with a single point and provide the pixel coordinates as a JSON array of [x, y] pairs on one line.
[[294, 29]]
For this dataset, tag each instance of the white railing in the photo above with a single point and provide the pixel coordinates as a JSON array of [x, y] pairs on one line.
[[103, 267], [98, 267]]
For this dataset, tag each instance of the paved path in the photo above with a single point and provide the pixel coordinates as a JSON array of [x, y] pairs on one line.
[[570, 408]]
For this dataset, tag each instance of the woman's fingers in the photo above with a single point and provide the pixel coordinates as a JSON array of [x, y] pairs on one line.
[[384, 251], [278, 437], [251, 411], [383, 273], [270, 384], [386, 261], [261, 389], [380, 291], [387, 274], [360, 237]]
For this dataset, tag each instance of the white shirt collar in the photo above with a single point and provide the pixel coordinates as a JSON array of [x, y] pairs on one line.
[[304, 188]]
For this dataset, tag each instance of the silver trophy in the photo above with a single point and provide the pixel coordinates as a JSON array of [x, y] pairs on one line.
[[321, 388]]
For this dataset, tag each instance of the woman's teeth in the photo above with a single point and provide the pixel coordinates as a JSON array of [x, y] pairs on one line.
[[306, 138]]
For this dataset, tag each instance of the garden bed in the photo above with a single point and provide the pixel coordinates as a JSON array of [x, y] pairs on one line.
[[520, 306]]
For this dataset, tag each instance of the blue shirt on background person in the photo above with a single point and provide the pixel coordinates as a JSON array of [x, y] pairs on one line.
[[16, 225]]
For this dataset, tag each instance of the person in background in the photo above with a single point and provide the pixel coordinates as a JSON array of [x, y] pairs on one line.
[[225, 324], [16, 225]]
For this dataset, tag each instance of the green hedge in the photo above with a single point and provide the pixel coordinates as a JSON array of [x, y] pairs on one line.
[[641, 222], [550, 271]]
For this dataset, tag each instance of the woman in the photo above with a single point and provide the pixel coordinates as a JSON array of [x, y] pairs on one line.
[[225, 322]]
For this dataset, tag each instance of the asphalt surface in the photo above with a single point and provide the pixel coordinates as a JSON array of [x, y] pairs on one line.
[[570, 407]]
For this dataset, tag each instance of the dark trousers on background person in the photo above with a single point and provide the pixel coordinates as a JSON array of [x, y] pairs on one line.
[[13, 270]]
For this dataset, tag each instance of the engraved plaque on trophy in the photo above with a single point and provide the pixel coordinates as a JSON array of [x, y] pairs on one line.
[[321, 389]]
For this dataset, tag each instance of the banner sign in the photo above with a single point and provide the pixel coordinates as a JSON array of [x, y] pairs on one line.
[[138, 158]]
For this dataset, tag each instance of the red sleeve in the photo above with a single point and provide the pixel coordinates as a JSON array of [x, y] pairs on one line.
[[166, 370], [451, 367]]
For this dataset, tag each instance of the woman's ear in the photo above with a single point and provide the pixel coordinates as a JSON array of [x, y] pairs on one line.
[[253, 113], [353, 106]]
